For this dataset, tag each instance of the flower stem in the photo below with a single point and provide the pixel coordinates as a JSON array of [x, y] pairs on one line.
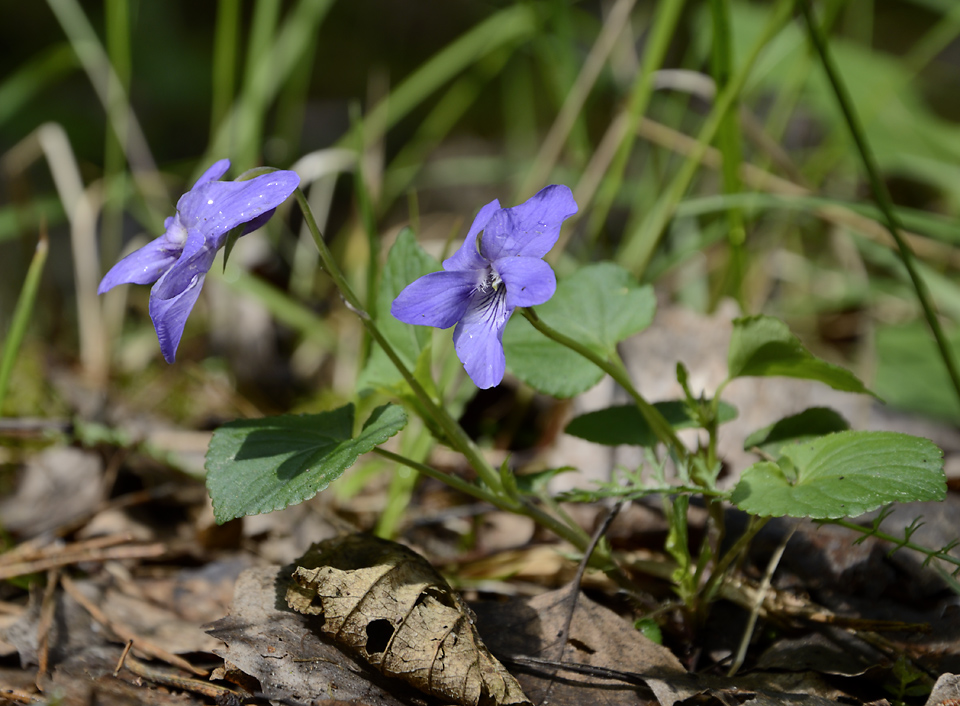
[[497, 495], [455, 482], [660, 426], [455, 434]]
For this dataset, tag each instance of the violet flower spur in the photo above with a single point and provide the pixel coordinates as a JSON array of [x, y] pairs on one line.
[[488, 277], [178, 261]]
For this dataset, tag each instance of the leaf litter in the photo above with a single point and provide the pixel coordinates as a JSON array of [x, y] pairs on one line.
[[811, 650]]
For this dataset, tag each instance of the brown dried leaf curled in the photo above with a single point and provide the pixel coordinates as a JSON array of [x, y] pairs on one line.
[[385, 603]]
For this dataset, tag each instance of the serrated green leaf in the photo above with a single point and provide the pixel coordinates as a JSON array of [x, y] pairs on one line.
[[406, 262], [843, 475], [797, 428], [624, 424], [261, 465], [762, 346], [599, 306]]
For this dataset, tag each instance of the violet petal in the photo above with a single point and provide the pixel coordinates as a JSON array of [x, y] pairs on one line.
[[216, 170], [196, 259], [438, 299], [468, 256], [478, 338], [170, 315], [529, 280], [143, 266], [217, 206], [531, 228]]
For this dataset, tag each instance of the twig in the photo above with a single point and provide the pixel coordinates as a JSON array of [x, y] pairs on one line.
[[35, 551], [160, 676], [126, 634], [123, 657], [48, 609], [762, 592], [75, 557], [573, 589], [18, 696]]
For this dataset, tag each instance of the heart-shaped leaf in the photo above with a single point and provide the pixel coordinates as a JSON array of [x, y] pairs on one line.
[[624, 424], [261, 465], [808, 424], [763, 346], [599, 306], [843, 475]]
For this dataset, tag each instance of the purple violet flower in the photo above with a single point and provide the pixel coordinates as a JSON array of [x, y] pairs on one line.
[[488, 277], [178, 261]]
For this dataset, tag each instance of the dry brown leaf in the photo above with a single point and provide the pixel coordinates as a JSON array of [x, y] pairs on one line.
[[529, 627], [286, 653], [385, 603]]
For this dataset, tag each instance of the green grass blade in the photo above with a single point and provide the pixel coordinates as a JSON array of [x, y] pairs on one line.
[[664, 27], [89, 50], [637, 249], [880, 194], [505, 28], [239, 134], [285, 309], [117, 16], [570, 111], [22, 315], [728, 142], [226, 40]]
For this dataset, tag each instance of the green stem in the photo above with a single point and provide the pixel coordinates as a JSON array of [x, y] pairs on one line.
[[572, 533], [225, 41], [660, 426], [455, 482], [884, 202], [455, 434], [21, 315], [900, 542], [713, 584]]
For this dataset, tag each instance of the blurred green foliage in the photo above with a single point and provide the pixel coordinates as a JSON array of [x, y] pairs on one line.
[[442, 106]]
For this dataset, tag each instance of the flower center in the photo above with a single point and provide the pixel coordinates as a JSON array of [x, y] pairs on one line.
[[176, 233], [490, 283]]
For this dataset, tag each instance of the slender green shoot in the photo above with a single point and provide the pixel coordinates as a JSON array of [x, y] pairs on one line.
[[638, 247], [618, 372], [226, 40], [728, 141], [662, 32], [22, 315], [880, 193]]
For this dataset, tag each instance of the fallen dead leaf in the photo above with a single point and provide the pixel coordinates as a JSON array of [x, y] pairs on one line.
[[58, 485], [389, 606], [599, 638], [287, 653]]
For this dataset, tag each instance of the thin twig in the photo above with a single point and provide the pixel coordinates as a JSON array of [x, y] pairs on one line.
[[124, 633], [573, 590], [762, 591], [141, 551], [123, 657], [48, 609], [160, 676]]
